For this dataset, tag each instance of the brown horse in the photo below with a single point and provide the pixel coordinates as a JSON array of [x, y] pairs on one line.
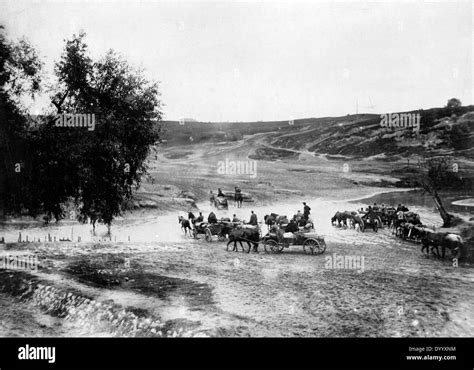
[[450, 241], [340, 218], [250, 236], [185, 225], [355, 219]]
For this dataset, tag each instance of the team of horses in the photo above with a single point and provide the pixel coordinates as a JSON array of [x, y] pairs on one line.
[[235, 232], [406, 225]]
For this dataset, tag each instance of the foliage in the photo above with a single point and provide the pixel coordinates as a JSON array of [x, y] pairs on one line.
[[20, 70], [96, 168]]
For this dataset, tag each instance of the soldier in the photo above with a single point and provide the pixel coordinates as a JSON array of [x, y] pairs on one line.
[[253, 219], [200, 218], [211, 197], [212, 219], [306, 210], [291, 227]]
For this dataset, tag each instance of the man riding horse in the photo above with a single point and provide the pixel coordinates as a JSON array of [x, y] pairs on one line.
[[238, 198]]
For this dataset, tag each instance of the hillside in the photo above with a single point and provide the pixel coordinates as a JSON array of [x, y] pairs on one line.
[[442, 132]]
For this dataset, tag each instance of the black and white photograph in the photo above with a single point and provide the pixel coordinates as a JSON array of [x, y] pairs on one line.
[[237, 169]]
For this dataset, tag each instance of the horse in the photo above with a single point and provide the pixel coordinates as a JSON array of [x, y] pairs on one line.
[[416, 232], [387, 214], [410, 217], [274, 219], [451, 241], [340, 218], [355, 219], [220, 202], [185, 225], [250, 236], [223, 228], [413, 218], [337, 219], [238, 198], [269, 220], [373, 220]]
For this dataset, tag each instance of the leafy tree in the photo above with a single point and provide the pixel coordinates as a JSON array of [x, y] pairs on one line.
[[439, 175], [453, 103], [99, 168], [20, 75]]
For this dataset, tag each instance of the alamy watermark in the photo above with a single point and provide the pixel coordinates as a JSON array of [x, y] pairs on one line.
[[29, 262], [75, 120], [401, 120], [229, 167], [334, 262]]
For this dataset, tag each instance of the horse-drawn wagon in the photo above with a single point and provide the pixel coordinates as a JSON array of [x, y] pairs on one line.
[[221, 229], [275, 241], [219, 202]]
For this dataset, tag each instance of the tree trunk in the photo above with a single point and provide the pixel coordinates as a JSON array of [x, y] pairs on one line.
[[2, 203], [442, 211]]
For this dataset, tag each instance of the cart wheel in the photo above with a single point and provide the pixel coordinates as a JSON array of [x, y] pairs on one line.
[[271, 246], [280, 247], [208, 235], [313, 246]]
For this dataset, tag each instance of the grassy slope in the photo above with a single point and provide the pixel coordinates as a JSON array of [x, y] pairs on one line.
[[353, 135], [356, 138]]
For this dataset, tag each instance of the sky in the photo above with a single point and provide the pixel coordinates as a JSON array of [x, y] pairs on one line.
[[269, 60]]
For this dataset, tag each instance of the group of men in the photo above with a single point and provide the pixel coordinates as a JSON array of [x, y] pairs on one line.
[[212, 218], [300, 221], [383, 208]]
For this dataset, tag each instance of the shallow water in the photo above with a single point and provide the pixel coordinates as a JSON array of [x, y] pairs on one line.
[[165, 228]]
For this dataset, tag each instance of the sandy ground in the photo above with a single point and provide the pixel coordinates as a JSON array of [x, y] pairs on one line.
[[200, 286]]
